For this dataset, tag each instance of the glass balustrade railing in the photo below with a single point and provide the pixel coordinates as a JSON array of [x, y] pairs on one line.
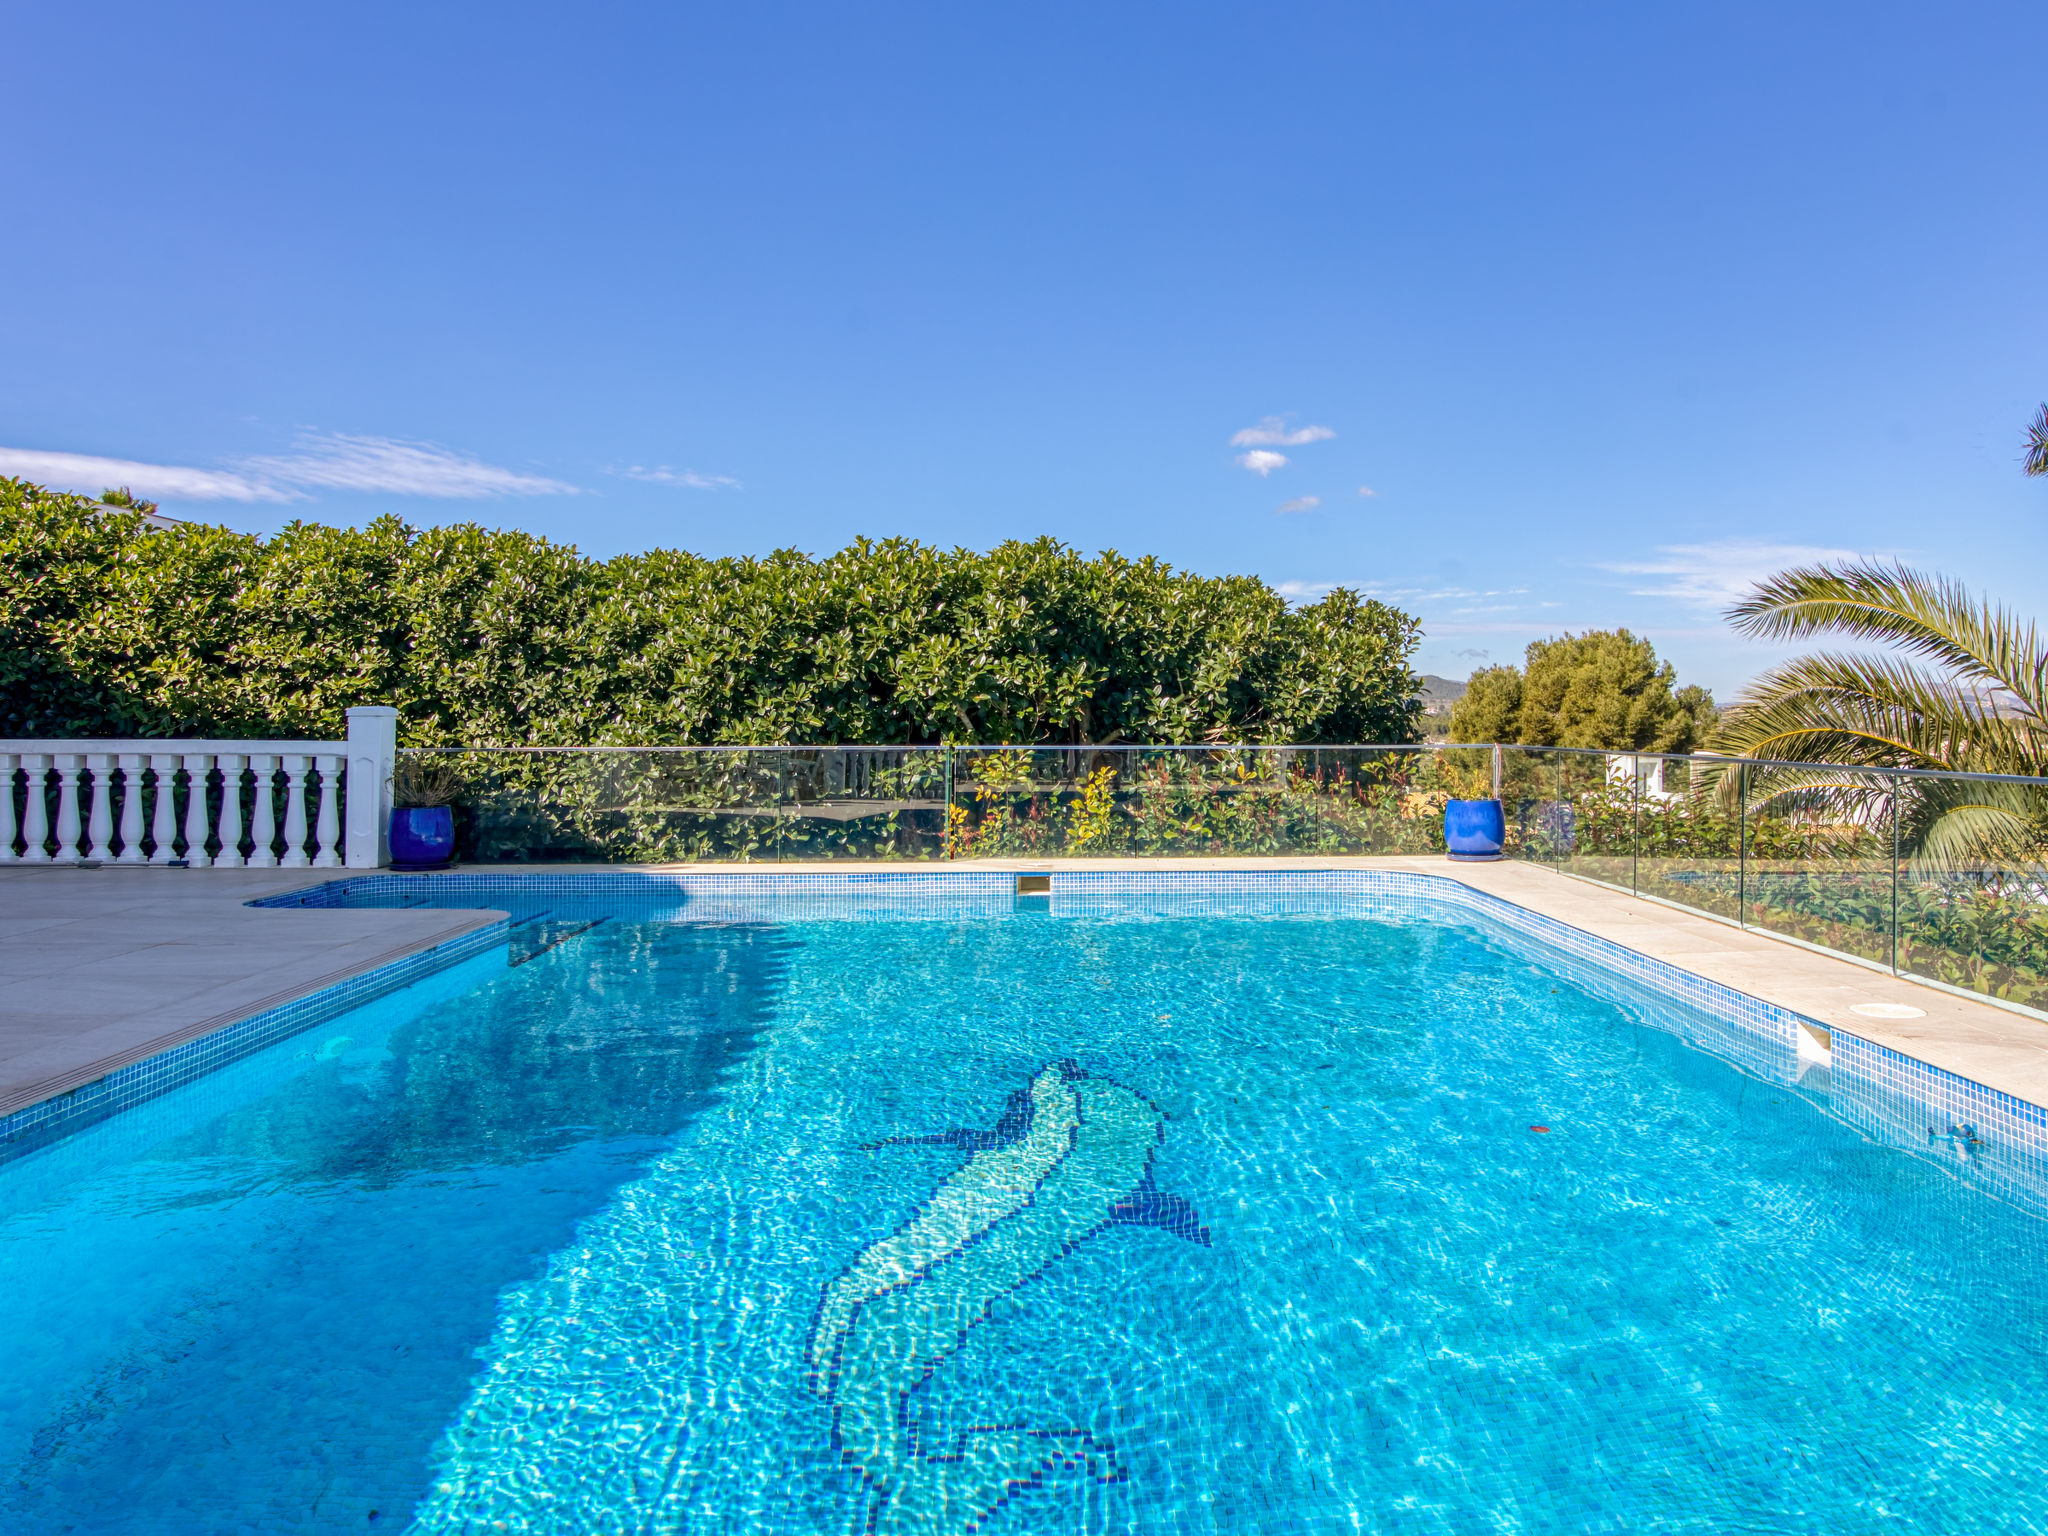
[[1940, 876]]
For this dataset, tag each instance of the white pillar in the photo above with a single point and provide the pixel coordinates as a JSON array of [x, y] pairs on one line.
[[230, 855], [372, 752], [196, 766], [9, 763], [163, 828], [294, 813], [263, 818], [131, 808], [35, 815], [99, 821], [327, 830], [68, 765]]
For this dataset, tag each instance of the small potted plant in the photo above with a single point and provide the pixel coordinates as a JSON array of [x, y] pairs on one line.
[[423, 792], [1476, 829]]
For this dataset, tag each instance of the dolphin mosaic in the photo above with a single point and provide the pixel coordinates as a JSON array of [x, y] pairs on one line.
[[1071, 1155]]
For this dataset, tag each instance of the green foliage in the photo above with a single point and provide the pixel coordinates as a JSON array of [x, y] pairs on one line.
[[1603, 689], [1490, 709], [1966, 689], [1125, 802], [2036, 462], [121, 496], [485, 637]]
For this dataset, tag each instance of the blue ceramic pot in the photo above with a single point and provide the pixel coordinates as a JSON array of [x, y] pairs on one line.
[[422, 837], [1474, 829]]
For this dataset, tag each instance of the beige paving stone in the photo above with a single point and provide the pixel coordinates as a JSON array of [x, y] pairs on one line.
[[102, 967]]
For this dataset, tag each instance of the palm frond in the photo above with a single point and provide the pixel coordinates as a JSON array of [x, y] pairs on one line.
[[1875, 711], [1925, 616], [1954, 825], [2037, 443], [1824, 792]]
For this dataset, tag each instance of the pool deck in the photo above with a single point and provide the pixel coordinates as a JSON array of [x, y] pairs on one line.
[[103, 967]]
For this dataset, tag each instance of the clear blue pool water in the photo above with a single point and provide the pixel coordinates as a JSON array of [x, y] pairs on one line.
[[1136, 1219]]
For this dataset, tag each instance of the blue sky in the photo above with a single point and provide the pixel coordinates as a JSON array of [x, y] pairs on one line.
[[1610, 307]]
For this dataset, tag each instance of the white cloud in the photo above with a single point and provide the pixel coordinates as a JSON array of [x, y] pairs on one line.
[[1366, 490], [334, 461], [1709, 577], [1261, 461], [1412, 596], [155, 482], [1300, 504], [343, 462], [1304, 591], [1273, 432], [661, 474]]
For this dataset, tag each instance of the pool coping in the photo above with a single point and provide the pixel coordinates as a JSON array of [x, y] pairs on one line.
[[1769, 986]]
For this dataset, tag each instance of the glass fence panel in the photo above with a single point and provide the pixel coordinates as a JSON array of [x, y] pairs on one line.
[[1688, 837], [1539, 821], [1195, 802], [1804, 852], [1596, 815], [629, 807], [1973, 886], [863, 803], [1818, 858]]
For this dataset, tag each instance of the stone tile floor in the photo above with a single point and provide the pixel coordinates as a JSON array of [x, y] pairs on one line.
[[101, 967]]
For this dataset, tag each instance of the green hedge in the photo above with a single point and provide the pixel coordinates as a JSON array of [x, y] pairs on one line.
[[496, 637]]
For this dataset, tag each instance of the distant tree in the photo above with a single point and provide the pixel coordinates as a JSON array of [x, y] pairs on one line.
[[1603, 689], [1490, 709], [121, 496], [2037, 443]]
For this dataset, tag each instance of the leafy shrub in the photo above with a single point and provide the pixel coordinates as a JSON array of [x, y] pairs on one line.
[[494, 638]]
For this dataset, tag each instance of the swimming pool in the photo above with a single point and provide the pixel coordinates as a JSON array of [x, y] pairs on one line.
[[906, 1207]]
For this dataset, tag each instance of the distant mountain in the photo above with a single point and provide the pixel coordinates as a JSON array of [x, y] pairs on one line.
[[1439, 694]]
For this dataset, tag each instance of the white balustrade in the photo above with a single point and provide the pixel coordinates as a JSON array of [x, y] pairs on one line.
[[83, 780], [230, 855], [35, 814], [294, 813], [164, 833], [100, 820], [10, 765], [68, 766], [131, 809], [327, 831], [263, 825], [197, 765]]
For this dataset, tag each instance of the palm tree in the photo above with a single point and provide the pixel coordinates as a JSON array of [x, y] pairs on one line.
[[1965, 690], [2037, 443]]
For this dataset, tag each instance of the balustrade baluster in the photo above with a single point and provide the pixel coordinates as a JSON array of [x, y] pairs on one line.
[[196, 775], [328, 827], [10, 762], [68, 764], [163, 832], [35, 812], [230, 855], [100, 809], [263, 819], [295, 813], [131, 808]]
